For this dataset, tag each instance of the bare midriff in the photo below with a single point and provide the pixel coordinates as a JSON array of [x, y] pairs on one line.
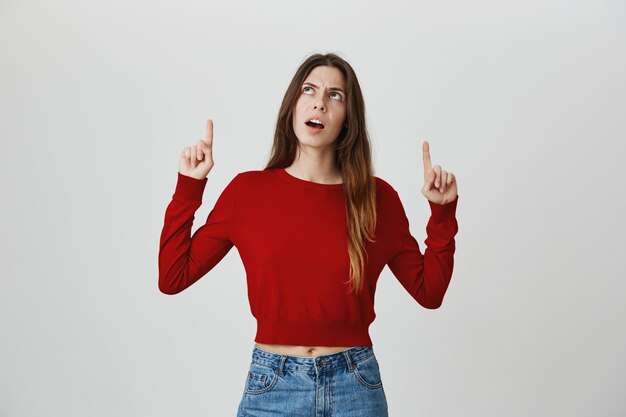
[[301, 351]]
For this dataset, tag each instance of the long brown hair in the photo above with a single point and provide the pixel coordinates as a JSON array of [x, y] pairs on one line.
[[353, 157]]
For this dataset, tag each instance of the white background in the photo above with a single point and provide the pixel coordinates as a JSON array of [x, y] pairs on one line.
[[523, 101]]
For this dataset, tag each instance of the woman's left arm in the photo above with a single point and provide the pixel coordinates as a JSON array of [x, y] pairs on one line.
[[427, 276]]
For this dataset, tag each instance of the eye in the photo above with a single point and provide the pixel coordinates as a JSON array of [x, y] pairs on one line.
[[338, 95]]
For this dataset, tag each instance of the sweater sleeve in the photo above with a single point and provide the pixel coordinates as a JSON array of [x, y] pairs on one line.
[[425, 277], [184, 259]]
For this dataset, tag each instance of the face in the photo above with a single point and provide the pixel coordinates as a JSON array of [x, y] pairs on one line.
[[322, 97]]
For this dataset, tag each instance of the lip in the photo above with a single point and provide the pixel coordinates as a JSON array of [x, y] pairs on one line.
[[313, 129], [315, 117]]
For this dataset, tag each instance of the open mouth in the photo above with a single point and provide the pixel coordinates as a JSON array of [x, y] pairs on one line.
[[314, 125]]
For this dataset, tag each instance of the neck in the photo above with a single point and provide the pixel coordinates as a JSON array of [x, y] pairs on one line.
[[323, 171]]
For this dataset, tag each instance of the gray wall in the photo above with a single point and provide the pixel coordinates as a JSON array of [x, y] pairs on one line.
[[523, 101]]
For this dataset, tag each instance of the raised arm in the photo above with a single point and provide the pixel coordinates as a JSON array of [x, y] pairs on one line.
[[427, 276], [183, 259]]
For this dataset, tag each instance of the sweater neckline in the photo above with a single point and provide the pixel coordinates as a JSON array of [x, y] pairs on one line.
[[310, 184]]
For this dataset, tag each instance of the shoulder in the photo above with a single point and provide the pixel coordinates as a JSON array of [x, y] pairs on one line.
[[252, 179], [252, 176], [387, 197], [385, 188]]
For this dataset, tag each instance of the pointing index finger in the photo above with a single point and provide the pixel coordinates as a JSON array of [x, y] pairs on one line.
[[208, 137], [426, 157]]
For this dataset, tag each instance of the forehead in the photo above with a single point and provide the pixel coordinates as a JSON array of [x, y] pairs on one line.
[[324, 74]]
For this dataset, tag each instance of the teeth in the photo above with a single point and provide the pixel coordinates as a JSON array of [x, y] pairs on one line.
[[315, 121]]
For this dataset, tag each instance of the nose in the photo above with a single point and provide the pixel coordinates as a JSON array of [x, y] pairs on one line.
[[319, 104]]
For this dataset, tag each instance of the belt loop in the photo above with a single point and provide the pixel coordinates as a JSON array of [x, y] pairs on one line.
[[281, 365], [348, 360]]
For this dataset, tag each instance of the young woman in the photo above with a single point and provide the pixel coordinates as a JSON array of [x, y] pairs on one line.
[[314, 229]]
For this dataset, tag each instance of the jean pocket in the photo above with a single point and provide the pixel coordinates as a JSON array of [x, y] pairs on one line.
[[261, 379], [367, 373]]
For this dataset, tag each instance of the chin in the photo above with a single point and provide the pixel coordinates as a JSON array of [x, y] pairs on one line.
[[313, 141]]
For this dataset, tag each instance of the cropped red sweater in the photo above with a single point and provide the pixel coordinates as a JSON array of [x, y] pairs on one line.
[[291, 235]]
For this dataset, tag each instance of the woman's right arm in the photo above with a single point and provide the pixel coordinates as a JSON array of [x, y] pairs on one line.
[[184, 259]]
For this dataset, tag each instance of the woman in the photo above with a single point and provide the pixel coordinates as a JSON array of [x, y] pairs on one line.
[[314, 229]]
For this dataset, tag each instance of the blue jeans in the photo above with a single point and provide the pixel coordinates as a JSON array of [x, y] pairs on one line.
[[342, 384]]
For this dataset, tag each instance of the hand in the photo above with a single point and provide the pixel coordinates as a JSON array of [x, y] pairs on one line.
[[439, 185], [197, 161]]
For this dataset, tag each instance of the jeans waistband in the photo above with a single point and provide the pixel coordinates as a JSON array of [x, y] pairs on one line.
[[315, 364]]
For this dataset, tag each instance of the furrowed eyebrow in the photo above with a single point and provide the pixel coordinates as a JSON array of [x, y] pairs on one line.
[[331, 88]]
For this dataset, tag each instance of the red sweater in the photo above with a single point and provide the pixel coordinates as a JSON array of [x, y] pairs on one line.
[[291, 235]]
